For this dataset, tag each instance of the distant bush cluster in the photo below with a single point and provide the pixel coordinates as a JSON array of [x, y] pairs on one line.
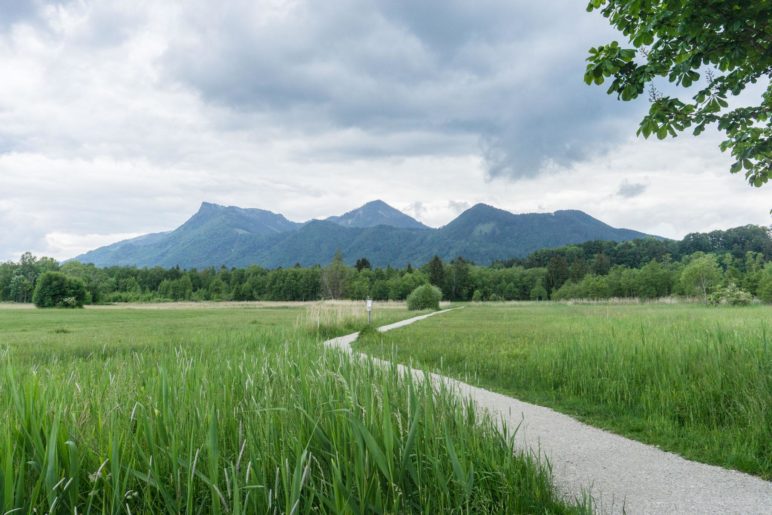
[[56, 290], [702, 265], [699, 275], [424, 297], [731, 295]]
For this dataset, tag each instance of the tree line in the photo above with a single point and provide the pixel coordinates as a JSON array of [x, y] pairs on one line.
[[701, 265]]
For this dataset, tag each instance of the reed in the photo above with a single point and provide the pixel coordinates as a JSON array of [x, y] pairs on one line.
[[326, 319], [242, 412]]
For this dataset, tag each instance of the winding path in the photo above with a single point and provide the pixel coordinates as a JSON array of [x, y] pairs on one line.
[[621, 475]]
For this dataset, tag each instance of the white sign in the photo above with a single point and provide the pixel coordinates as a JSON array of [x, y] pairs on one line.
[[369, 305]]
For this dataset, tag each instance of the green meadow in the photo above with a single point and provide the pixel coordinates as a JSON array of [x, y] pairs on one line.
[[237, 410], [688, 378]]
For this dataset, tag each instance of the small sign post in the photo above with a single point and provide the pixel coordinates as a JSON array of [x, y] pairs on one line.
[[369, 310]]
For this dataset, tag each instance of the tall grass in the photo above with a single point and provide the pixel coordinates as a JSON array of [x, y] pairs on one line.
[[246, 421], [691, 379], [326, 319]]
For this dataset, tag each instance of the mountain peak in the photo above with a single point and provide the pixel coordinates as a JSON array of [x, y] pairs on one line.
[[572, 212], [216, 217], [208, 206], [479, 211], [482, 208], [375, 213], [375, 203]]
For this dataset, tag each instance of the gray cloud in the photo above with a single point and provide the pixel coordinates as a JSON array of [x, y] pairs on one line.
[[417, 209], [505, 75], [14, 11], [458, 206], [630, 189], [120, 117]]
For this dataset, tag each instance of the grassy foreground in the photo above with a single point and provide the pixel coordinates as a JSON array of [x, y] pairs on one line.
[[691, 379], [235, 411]]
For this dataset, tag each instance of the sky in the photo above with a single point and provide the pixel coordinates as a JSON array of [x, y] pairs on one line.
[[118, 118]]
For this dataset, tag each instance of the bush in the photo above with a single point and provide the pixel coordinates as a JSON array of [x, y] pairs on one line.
[[538, 292], [424, 297], [590, 287], [56, 290], [731, 295]]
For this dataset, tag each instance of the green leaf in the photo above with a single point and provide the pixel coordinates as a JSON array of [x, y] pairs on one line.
[[458, 470], [683, 42], [372, 446]]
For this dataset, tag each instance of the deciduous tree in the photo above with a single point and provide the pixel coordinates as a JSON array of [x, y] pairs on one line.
[[701, 275], [720, 46]]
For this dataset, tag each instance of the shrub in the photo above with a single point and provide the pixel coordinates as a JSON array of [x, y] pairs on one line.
[[590, 287], [538, 292], [731, 295], [56, 290], [424, 297]]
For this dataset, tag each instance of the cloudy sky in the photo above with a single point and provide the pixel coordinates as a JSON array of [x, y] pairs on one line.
[[119, 118]]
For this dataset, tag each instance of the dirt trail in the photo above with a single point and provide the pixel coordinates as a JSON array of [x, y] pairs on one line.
[[621, 475]]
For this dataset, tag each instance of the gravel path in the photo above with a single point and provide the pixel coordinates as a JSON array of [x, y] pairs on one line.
[[621, 475]]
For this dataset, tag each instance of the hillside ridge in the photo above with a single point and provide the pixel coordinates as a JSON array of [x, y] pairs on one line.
[[218, 235]]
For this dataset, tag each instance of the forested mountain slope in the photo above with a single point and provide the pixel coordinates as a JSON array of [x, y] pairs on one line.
[[232, 236]]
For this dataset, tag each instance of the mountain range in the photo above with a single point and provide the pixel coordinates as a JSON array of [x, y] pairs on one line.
[[231, 236]]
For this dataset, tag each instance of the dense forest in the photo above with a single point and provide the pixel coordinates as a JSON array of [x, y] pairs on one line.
[[736, 263]]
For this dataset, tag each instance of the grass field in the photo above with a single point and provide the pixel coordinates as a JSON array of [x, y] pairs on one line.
[[236, 410], [690, 379]]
